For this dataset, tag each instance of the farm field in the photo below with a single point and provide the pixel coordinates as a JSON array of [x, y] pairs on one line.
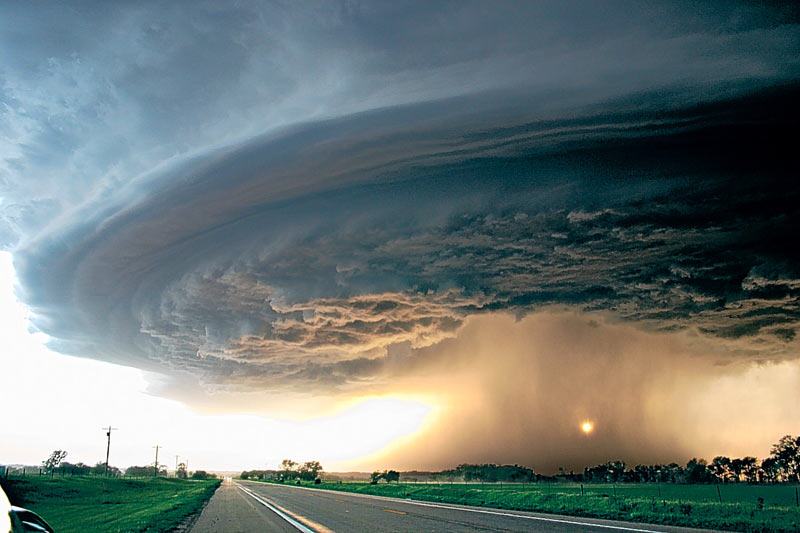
[[674, 504], [98, 504]]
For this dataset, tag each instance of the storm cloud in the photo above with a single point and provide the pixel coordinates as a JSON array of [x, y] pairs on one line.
[[275, 196], [516, 391]]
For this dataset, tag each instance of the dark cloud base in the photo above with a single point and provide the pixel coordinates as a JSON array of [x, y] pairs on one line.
[[304, 257]]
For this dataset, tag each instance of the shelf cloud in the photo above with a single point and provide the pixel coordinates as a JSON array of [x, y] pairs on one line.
[[283, 196]]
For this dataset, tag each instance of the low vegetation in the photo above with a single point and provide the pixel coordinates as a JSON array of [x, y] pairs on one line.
[[744, 507], [108, 504], [737, 494]]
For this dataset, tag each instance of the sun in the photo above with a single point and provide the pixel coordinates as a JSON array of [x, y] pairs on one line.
[[587, 426]]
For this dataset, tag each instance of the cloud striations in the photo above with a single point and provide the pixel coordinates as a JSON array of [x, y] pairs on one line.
[[279, 195]]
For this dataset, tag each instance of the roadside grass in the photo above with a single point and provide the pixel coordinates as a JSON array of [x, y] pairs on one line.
[[98, 504], [679, 505]]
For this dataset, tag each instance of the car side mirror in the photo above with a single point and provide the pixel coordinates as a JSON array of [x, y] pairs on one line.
[[29, 521]]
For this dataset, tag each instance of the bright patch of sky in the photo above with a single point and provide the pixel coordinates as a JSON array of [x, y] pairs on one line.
[[57, 402]]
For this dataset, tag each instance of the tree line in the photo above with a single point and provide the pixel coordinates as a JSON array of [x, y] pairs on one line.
[[782, 465], [55, 464], [387, 475], [290, 471], [490, 473]]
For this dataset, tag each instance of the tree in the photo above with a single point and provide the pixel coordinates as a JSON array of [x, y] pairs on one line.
[[52, 462], [672, 472], [309, 470], [750, 469], [643, 473], [721, 468], [697, 471], [202, 474], [769, 471], [787, 456], [610, 472], [616, 470], [77, 469], [273, 475], [490, 473], [744, 469], [386, 475], [100, 469], [180, 473], [139, 471], [288, 469]]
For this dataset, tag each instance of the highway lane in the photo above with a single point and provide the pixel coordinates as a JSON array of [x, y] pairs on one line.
[[325, 511], [231, 510]]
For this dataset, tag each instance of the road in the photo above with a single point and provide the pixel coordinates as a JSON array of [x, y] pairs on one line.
[[232, 510], [249, 506]]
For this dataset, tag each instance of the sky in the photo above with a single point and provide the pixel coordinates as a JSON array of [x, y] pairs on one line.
[[399, 234]]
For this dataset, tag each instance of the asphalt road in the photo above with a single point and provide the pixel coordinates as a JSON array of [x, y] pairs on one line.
[[233, 511], [249, 506]]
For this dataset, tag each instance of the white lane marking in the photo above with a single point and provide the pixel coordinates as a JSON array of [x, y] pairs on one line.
[[297, 525], [481, 511]]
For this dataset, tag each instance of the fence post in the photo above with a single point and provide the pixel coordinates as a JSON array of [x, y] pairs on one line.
[[796, 497], [581, 489], [719, 494]]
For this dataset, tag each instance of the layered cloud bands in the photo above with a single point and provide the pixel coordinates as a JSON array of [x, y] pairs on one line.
[[331, 193], [305, 257]]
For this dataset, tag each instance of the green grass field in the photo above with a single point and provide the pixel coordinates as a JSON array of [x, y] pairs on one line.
[[88, 504], [686, 505]]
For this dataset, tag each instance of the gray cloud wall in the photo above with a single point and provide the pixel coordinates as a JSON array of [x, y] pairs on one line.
[[287, 256], [278, 195]]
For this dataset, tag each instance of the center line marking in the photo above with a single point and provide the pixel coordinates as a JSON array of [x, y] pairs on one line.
[[393, 511]]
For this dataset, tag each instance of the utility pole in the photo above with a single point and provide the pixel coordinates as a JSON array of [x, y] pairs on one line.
[[155, 471], [108, 443], [176, 465]]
